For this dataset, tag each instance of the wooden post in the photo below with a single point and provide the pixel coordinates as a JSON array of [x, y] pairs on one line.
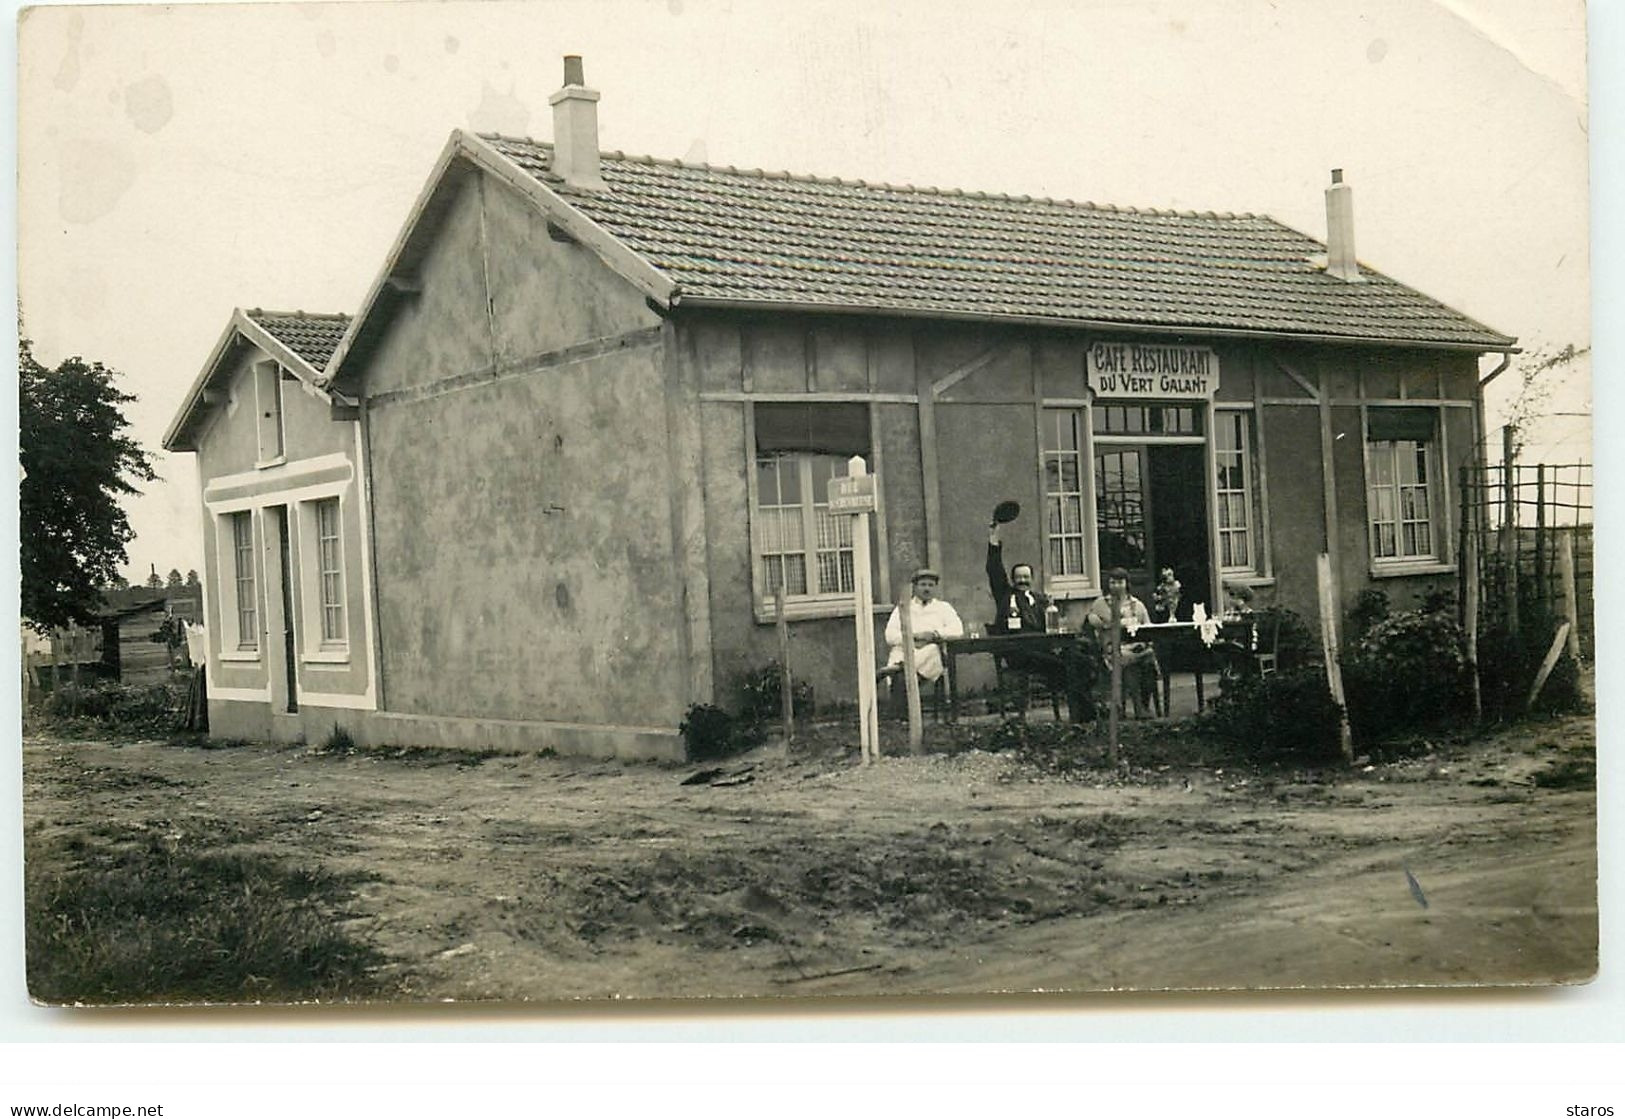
[[1114, 656], [28, 676], [1542, 592], [1463, 531], [1469, 620], [911, 679], [1571, 600], [864, 622], [1333, 655], [1559, 639], [786, 695], [73, 664], [1509, 526]]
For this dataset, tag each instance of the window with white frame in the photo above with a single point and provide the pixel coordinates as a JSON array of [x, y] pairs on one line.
[[798, 544], [1063, 493], [268, 407], [1239, 538], [330, 570], [323, 617], [1401, 493], [243, 600]]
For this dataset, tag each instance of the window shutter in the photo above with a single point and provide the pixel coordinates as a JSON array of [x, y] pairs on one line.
[[824, 429], [1390, 425]]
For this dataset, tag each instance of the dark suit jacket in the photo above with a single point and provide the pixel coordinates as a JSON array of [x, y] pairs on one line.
[[1030, 606]]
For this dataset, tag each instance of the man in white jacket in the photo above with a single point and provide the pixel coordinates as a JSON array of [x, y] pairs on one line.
[[932, 620]]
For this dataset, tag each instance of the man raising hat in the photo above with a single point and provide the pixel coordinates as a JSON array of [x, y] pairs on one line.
[[931, 619]]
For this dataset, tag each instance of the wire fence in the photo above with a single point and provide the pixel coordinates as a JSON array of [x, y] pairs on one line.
[[1527, 536]]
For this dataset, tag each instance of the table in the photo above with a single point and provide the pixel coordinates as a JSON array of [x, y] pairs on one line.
[[995, 643], [1164, 635], [1161, 635]]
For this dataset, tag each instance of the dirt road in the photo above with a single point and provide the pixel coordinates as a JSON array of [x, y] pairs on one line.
[[802, 873]]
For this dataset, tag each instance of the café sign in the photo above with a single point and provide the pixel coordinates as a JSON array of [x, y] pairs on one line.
[[1134, 369]]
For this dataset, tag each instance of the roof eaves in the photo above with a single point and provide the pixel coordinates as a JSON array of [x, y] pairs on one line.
[[262, 337], [1492, 343], [614, 252]]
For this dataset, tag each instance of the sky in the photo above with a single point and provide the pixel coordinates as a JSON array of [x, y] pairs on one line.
[[176, 162]]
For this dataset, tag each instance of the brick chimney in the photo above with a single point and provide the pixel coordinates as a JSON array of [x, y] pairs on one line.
[[1340, 260], [575, 130]]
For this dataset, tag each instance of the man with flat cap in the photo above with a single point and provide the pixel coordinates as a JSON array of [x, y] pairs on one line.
[[931, 619]]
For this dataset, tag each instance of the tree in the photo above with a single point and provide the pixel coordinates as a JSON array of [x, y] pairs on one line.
[[173, 579], [191, 578], [155, 580], [78, 461]]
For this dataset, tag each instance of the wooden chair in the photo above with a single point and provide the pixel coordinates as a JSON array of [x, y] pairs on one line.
[[933, 698], [1266, 655]]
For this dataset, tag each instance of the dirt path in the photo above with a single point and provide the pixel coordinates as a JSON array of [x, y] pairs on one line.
[[531, 877]]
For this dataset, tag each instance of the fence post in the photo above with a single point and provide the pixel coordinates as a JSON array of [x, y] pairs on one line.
[[1542, 592], [1509, 526], [786, 696], [1329, 647], [1114, 654], [1463, 533], [1469, 619], [1571, 599], [911, 679]]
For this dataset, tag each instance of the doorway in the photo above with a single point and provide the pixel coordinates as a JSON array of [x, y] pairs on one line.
[[279, 515], [1151, 513]]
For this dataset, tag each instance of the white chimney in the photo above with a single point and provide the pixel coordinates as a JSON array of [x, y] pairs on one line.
[[575, 130], [1340, 260]]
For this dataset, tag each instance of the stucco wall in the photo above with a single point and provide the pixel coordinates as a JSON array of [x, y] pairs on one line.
[[524, 517]]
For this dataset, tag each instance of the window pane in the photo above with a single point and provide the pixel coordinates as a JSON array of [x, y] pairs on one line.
[[1069, 474], [1382, 464]]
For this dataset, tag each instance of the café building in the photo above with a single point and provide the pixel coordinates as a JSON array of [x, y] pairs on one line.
[[599, 398]]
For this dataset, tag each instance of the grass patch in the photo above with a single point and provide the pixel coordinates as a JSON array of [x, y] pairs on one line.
[[1569, 773], [150, 921]]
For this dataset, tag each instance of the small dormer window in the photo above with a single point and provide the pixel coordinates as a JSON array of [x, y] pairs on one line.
[[268, 409]]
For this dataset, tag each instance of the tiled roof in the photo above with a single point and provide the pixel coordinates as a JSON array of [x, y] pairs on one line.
[[312, 337], [758, 237]]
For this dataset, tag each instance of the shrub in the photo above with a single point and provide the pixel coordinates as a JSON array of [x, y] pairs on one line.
[[1289, 713], [710, 732], [1406, 671], [111, 706], [760, 693], [338, 741], [1507, 668], [1370, 607]]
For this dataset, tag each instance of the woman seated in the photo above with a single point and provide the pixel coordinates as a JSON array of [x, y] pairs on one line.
[[1137, 658]]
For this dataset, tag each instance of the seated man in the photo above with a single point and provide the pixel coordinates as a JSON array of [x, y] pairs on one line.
[[1138, 658], [931, 620], [1018, 608]]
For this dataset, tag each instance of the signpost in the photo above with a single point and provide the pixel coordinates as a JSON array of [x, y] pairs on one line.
[[854, 496]]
